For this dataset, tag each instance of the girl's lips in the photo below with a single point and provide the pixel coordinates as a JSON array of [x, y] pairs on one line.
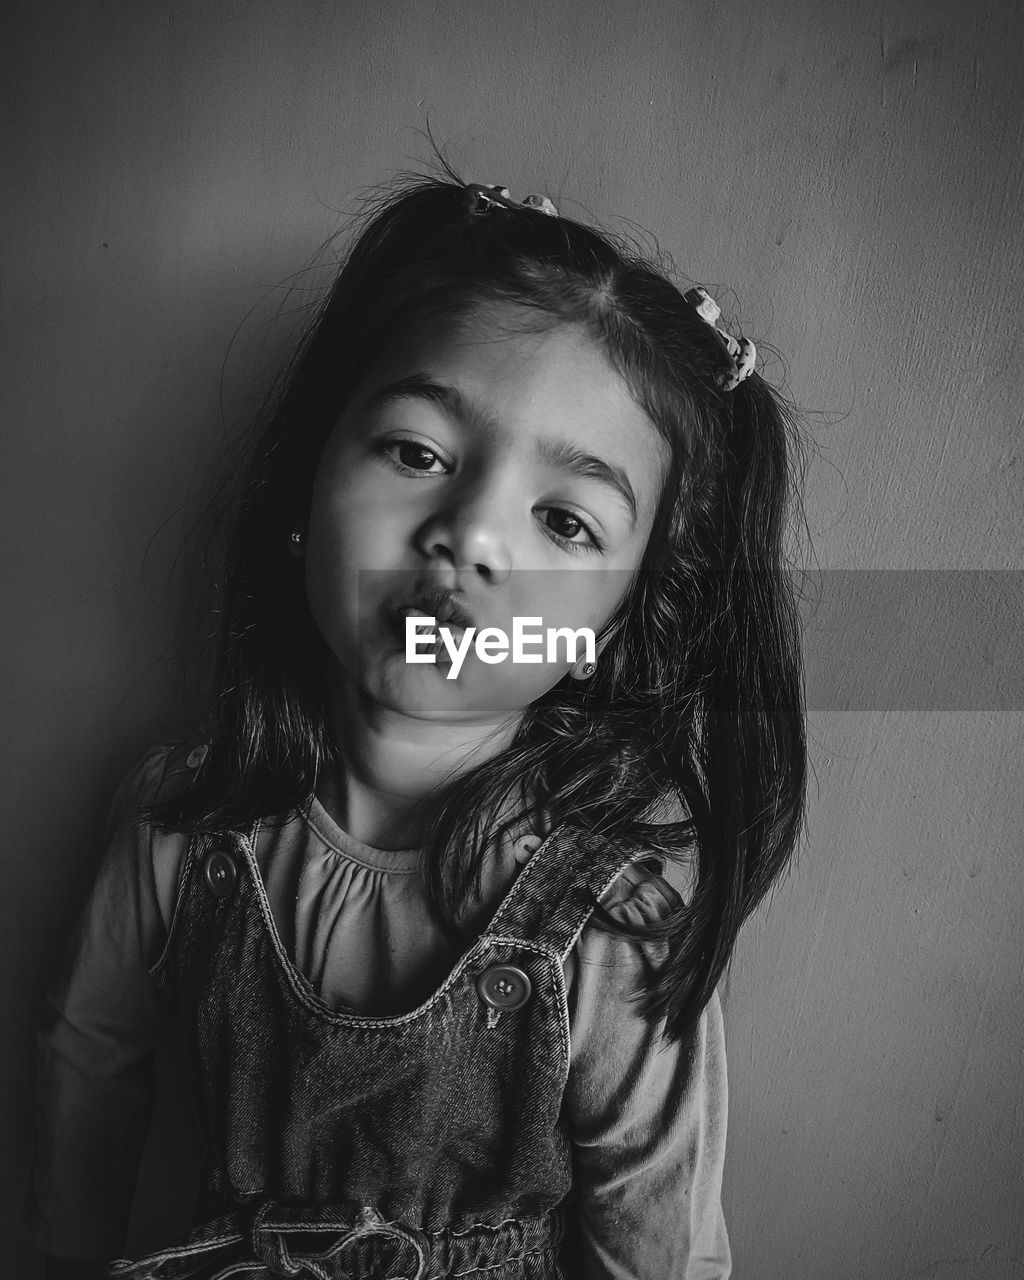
[[429, 641], [444, 606], [452, 626], [409, 612]]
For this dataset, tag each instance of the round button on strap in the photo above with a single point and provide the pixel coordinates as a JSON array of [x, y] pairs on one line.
[[503, 987], [220, 873]]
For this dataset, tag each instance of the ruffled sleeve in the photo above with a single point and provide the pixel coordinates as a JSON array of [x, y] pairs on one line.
[[648, 1118], [96, 1040]]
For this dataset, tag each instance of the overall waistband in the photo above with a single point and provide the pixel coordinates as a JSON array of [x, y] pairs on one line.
[[341, 1242]]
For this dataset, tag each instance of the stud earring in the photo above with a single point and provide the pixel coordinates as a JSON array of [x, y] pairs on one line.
[[295, 541], [583, 670]]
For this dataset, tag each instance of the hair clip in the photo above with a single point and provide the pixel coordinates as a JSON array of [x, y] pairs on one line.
[[741, 350], [484, 198], [541, 203]]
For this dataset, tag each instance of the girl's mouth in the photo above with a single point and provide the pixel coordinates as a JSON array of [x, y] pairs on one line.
[[446, 610], [429, 639], [444, 607]]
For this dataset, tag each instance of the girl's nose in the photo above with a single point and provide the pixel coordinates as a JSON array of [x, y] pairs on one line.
[[470, 533]]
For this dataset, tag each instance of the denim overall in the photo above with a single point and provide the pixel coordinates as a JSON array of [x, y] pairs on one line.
[[425, 1145]]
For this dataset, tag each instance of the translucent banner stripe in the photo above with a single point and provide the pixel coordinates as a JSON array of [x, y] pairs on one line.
[[874, 639], [914, 640]]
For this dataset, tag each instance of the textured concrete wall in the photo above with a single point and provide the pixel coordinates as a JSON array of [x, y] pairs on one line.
[[847, 178]]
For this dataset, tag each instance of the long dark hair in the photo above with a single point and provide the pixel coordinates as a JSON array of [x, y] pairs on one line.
[[698, 698]]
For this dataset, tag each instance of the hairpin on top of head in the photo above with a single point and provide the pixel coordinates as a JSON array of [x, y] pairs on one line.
[[741, 350], [483, 198]]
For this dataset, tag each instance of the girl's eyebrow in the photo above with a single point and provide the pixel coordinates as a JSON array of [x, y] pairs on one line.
[[417, 386], [562, 454]]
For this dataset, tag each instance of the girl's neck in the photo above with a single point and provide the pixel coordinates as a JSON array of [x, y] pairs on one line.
[[392, 764]]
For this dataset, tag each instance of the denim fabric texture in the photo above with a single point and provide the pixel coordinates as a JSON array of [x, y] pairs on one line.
[[424, 1145]]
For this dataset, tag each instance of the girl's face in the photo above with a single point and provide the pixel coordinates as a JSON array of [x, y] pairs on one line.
[[478, 475]]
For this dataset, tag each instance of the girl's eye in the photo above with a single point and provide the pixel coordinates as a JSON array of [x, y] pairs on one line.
[[414, 458], [567, 529]]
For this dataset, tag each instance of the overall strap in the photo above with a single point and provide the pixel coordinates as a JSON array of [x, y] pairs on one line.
[[197, 900], [554, 895]]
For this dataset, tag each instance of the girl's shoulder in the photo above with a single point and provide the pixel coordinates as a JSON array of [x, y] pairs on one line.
[[157, 852], [646, 893], [650, 889], [654, 885], [163, 772]]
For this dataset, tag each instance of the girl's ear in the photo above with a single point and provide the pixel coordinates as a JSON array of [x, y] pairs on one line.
[[297, 544], [583, 670]]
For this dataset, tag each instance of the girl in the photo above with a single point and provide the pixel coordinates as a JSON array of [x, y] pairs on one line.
[[444, 950]]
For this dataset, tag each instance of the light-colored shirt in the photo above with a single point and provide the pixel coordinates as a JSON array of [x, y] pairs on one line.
[[647, 1119]]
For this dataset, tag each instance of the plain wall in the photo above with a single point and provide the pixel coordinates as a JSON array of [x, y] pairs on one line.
[[846, 177]]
